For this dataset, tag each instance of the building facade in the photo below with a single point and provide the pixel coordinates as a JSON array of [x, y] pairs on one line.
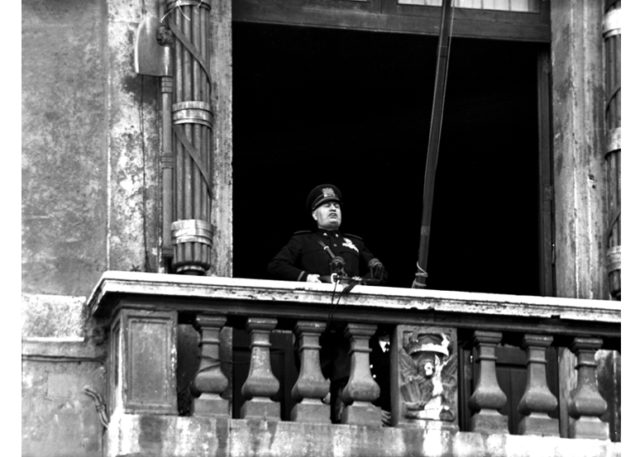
[[167, 151]]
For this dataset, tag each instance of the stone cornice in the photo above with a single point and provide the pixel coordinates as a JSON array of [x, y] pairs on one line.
[[280, 295]]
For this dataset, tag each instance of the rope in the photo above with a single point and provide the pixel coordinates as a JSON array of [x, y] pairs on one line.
[[421, 273]]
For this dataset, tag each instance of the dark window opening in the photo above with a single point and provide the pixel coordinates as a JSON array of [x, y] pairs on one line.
[[352, 108]]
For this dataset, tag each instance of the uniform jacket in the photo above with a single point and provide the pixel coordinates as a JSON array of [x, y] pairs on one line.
[[304, 254]]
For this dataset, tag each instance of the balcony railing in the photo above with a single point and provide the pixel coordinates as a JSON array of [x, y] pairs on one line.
[[443, 394]]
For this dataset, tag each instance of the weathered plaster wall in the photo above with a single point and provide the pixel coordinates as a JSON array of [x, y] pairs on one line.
[[222, 211], [57, 316], [64, 146], [132, 146], [578, 160], [89, 184], [58, 418], [165, 436], [90, 146]]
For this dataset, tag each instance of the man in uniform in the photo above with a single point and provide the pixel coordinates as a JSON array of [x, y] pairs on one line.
[[314, 256], [327, 255]]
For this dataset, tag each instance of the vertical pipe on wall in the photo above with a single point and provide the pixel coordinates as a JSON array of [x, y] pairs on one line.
[[167, 157]]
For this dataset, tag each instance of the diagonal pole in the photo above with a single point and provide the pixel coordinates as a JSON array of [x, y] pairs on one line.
[[435, 128]]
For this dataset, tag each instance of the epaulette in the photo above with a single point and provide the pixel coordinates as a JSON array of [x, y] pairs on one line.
[[301, 232], [351, 235]]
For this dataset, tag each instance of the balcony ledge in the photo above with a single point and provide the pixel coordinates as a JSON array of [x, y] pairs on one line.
[[288, 299]]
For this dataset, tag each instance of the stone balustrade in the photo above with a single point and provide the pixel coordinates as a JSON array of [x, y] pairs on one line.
[[137, 315], [311, 387], [538, 402], [487, 397], [210, 381]]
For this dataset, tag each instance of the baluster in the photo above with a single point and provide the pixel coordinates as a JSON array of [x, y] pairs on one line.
[[487, 397], [210, 381], [586, 404], [311, 385], [361, 389], [537, 401], [261, 384]]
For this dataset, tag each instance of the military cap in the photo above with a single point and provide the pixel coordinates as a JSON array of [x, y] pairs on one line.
[[322, 194]]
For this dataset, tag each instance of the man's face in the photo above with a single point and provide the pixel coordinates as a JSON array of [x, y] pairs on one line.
[[328, 216]]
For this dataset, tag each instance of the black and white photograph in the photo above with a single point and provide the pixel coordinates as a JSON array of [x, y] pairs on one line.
[[312, 228]]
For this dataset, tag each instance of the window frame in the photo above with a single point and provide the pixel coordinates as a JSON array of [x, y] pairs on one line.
[[389, 16]]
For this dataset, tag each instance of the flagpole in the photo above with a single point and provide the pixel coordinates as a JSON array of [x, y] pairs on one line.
[[435, 128]]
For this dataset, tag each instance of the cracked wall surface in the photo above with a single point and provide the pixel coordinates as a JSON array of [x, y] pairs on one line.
[[90, 146]]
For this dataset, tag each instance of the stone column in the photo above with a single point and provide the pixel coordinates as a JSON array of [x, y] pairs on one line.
[[537, 401], [586, 404], [488, 397], [261, 384], [361, 389], [221, 102], [579, 169], [210, 382], [311, 386]]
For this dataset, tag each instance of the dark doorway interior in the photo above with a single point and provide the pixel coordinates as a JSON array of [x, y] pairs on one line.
[[352, 108]]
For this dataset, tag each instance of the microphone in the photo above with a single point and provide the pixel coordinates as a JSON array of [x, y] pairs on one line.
[[336, 265]]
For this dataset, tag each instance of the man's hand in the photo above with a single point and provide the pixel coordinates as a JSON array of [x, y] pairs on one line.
[[313, 278], [337, 266], [377, 269]]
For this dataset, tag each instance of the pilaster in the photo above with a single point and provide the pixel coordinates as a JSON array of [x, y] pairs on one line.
[[579, 174]]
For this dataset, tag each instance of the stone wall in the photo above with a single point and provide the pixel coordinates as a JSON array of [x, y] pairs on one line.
[[166, 436], [89, 183], [64, 206], [90, 145], [58, 417]]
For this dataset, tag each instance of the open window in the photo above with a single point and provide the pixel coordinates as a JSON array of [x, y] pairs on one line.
[[352, 108], [333, 93]]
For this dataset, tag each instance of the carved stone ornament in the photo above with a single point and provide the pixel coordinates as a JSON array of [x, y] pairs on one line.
[[427, 374]]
